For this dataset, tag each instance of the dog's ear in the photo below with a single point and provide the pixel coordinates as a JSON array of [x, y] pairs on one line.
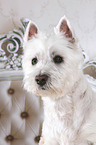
[[65, 28], [30, 31]]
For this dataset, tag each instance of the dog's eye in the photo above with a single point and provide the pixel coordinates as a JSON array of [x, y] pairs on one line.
[[34, 61], [58, 59]]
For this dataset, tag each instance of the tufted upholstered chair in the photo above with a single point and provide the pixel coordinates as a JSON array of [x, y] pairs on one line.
[[20, 121], [20, 112]]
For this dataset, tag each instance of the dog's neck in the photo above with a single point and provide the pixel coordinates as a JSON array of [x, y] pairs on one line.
[[78, 93], [66, 107]]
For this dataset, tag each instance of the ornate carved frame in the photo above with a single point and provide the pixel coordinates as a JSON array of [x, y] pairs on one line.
[[11, 53]]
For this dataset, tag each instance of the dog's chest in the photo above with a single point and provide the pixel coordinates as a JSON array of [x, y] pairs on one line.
[[58, 114]]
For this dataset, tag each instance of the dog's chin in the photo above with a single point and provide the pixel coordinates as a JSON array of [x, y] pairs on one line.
[[48, 92], [42, 91]]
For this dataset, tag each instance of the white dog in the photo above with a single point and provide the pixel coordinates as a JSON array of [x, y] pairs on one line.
[[52, 67]]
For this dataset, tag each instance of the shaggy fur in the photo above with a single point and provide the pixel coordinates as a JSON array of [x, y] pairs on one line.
[[69, 102]]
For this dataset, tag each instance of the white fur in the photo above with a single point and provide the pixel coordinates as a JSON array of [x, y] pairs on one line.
[[69, 102]]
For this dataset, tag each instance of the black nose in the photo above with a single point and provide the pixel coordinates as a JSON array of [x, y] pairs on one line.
[[41, 80]]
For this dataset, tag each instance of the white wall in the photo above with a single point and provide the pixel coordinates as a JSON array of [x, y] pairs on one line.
[[46, 13]]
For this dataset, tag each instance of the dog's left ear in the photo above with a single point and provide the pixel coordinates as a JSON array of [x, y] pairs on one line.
[[65, 28], [30, 31]]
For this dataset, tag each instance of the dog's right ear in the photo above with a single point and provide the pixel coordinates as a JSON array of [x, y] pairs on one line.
[[30, 31]]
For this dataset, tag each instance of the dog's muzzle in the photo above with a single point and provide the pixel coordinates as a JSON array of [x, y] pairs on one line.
[[41, 80]]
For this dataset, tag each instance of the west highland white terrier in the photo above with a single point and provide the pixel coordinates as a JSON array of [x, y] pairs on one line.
[[52, 67]]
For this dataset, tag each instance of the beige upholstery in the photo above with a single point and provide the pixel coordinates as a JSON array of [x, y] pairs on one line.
[[19, 115], [20, 112]]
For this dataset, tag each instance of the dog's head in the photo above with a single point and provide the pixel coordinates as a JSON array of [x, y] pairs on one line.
[[51, 63]]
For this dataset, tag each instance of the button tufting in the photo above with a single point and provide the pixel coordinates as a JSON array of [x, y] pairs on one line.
[[37, 139], [9, 138], [11, 91], [24, 115]]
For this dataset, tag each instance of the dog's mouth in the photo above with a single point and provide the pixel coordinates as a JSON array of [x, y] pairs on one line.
[[42, 91], [43, 88], [47, 91]]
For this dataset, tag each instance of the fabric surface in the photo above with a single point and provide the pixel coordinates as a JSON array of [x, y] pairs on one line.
[[19, 115]]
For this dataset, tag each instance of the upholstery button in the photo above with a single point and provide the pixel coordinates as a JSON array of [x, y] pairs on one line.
[[11, 91], [9, 138], [24, 115], [37, 139]]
